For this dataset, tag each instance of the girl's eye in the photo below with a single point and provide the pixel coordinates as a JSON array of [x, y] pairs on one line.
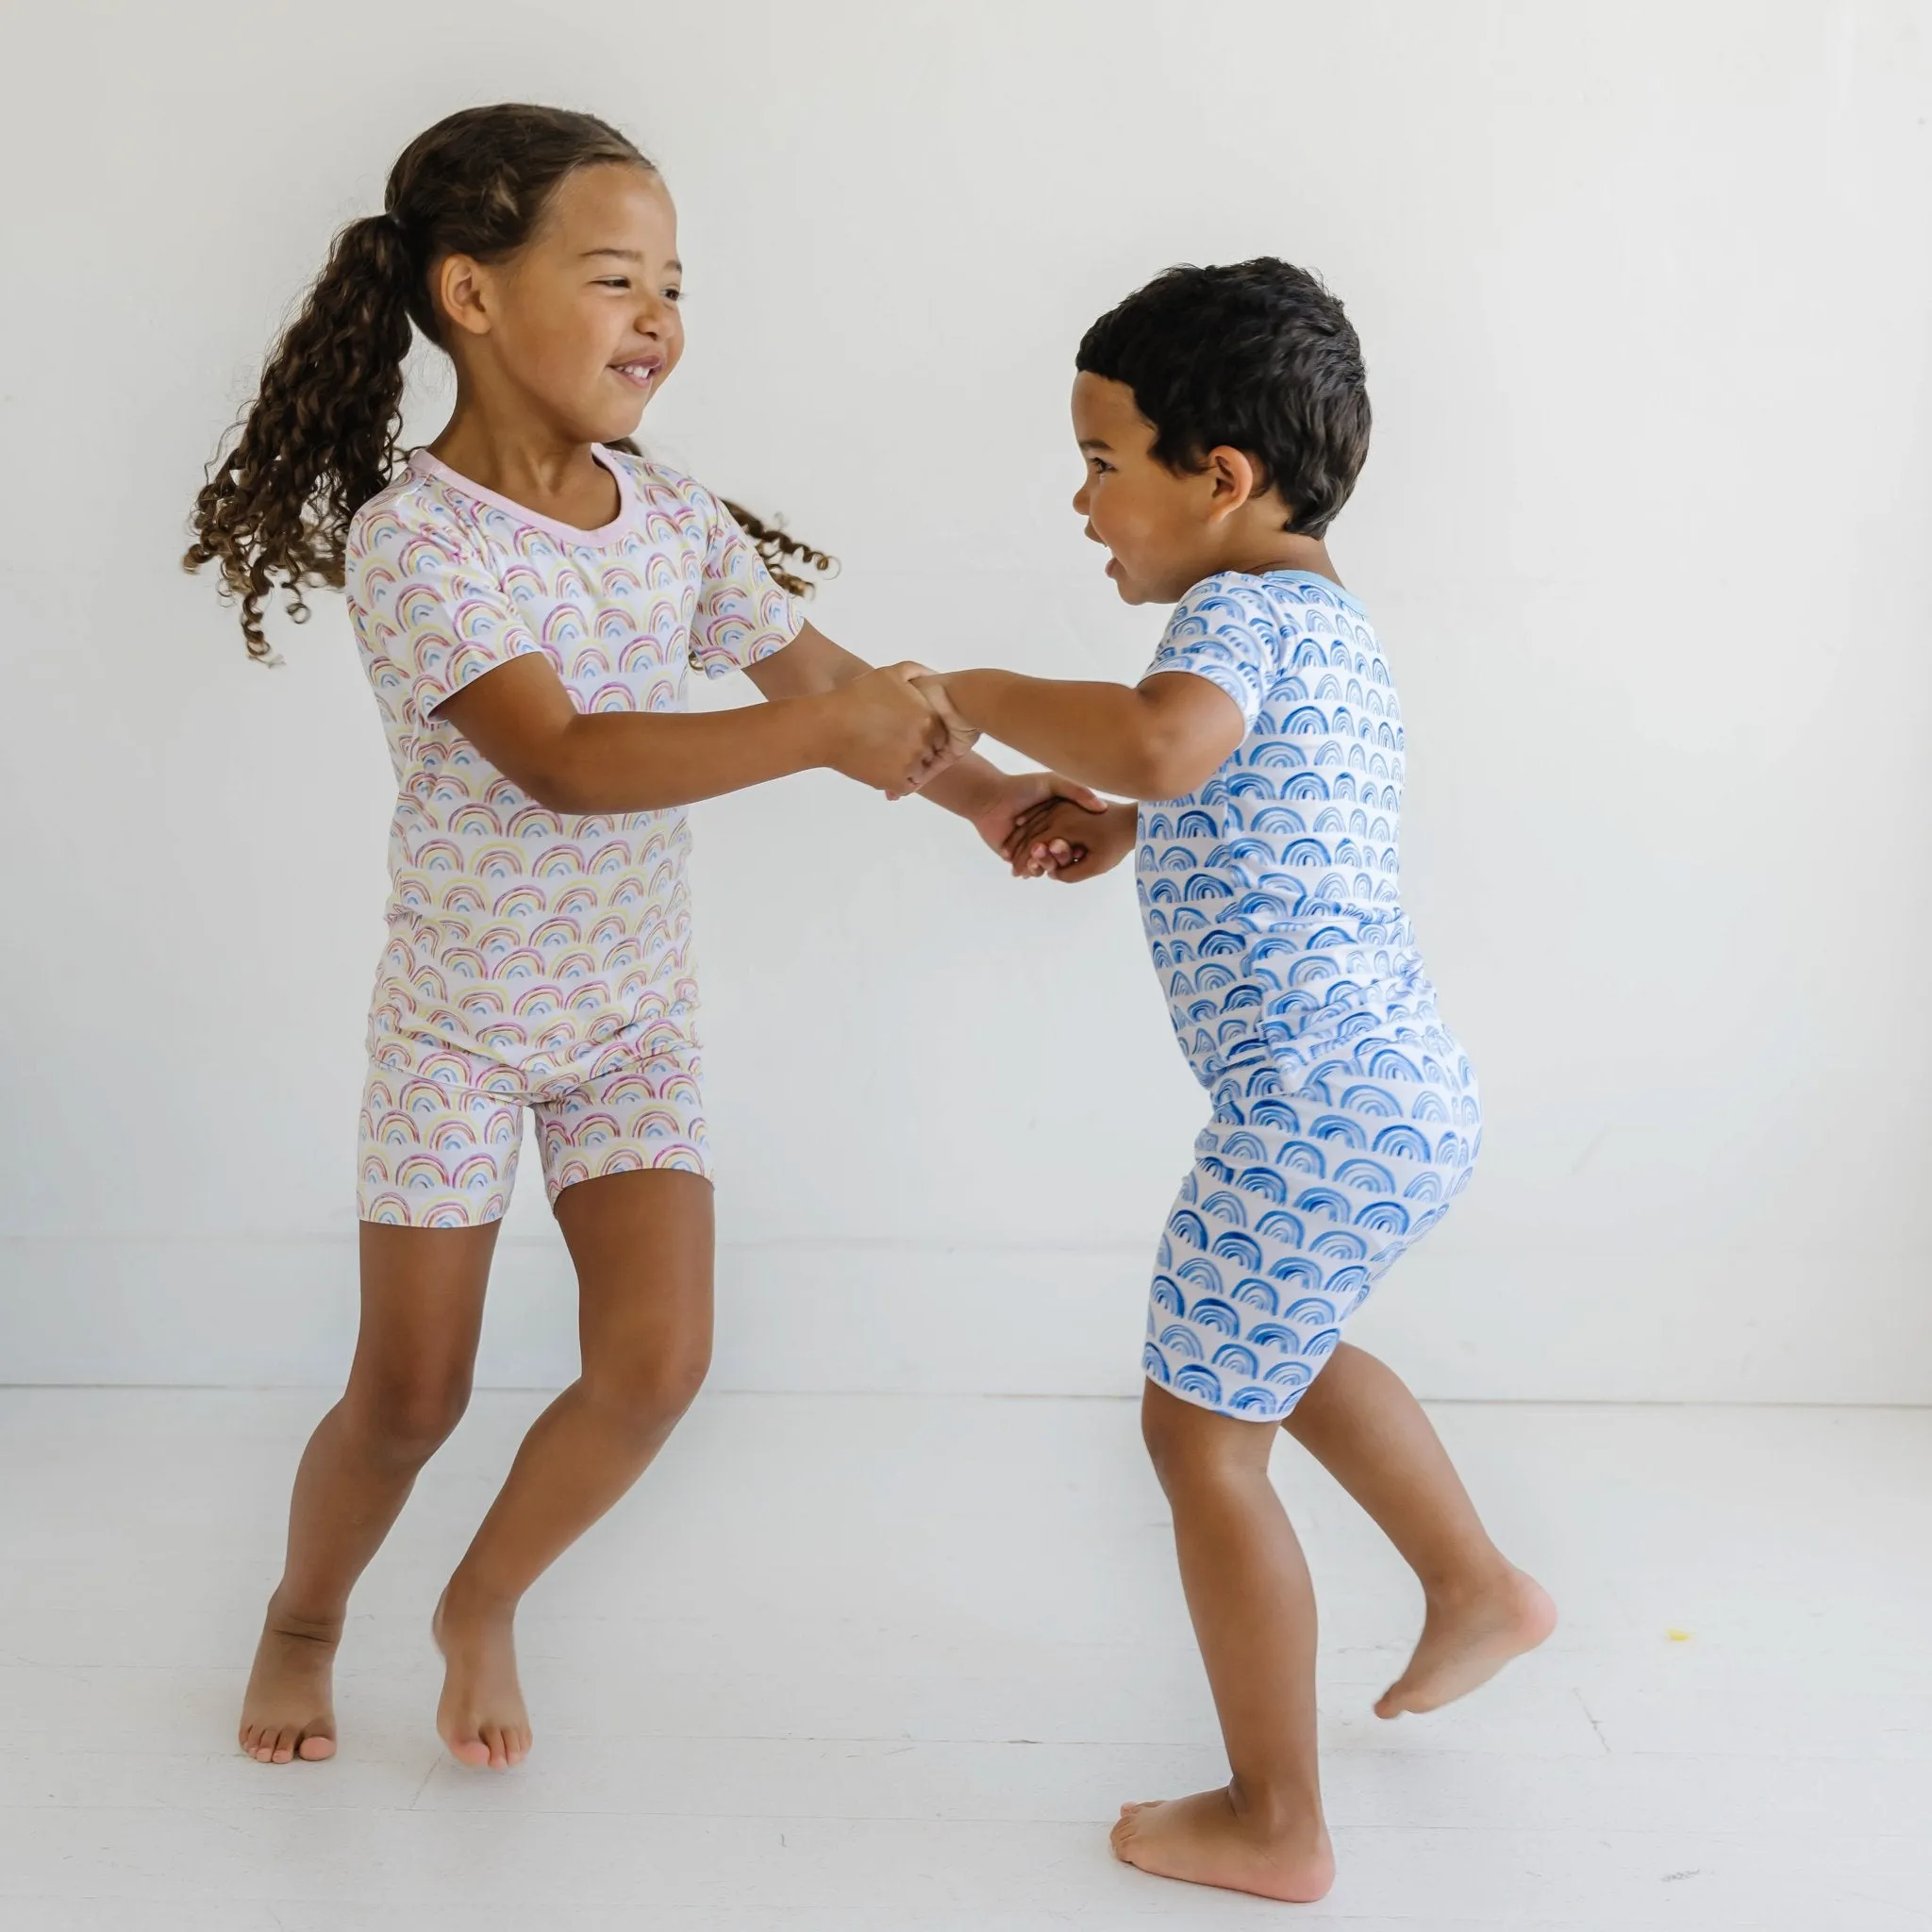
[[613, 281], [674, 295]]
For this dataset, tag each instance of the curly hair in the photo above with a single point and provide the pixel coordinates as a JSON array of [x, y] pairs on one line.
[[776, 547], [1256, 356], [321, 437]]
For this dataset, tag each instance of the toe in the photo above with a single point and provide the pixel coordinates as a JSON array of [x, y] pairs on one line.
[[472, 1750], [314, 1749], [285, 1746]]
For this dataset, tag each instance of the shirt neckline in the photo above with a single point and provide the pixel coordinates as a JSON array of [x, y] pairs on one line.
[[1329, 584], [422, 463]]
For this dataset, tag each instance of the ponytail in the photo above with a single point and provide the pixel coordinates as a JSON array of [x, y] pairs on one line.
[[320, 439], [777, 549]]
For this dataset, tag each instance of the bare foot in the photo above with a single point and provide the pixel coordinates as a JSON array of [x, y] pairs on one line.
[[1210, 1839], [1466, 1641], [481, 1716], [288, 1711]]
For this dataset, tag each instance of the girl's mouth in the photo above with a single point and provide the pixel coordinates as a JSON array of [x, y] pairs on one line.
[[641, 373]]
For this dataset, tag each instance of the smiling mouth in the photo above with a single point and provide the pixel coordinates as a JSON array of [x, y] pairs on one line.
[[640, 374]]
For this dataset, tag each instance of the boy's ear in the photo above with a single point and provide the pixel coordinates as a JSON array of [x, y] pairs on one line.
[[1232, 477]]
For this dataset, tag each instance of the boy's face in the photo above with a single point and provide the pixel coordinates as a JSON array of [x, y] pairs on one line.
[[1157, 526]]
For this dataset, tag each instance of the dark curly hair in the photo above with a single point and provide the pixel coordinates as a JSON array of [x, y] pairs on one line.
[[1256, 356], [320, 439]]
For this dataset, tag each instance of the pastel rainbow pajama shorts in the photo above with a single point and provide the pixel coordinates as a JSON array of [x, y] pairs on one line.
[[1306, 1187], [441, 1132]]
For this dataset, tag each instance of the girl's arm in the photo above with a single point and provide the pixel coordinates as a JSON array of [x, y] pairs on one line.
[[1160, 739], [876, 728], [991, 799]]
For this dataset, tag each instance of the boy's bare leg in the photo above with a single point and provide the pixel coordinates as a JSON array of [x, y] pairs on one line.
[[1359, 1421], [642, 1242], [422, 1313], [1254, 1614]]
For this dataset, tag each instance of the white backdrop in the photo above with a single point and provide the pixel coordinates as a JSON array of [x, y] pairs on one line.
[[1645, 292]]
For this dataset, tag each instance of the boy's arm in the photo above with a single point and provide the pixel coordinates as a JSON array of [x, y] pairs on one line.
[[1160, 739], [992, 799]]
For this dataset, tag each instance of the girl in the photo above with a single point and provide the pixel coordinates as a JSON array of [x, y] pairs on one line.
[[1222, 415], [527, 595]]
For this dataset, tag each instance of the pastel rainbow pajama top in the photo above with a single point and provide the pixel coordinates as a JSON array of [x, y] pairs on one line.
[[535, 959], [1345, 1117]]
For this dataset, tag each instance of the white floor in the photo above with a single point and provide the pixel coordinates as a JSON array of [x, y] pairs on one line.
[[873, 1664]]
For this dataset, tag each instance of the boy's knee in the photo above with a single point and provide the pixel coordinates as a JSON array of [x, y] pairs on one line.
[[1186, 1444]]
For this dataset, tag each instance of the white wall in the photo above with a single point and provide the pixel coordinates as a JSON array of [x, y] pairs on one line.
[[1645, 292]]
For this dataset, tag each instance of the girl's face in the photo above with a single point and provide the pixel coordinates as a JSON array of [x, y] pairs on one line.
[[582, 324]]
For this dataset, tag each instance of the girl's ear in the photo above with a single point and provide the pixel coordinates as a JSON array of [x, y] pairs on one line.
[[1231, 481], [461, 290]]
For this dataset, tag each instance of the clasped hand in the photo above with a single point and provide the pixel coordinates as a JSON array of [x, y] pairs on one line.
[[903, 731], [897, 733]]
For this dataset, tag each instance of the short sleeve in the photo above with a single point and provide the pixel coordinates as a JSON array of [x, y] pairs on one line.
[[438, 619], [742, 615], [1224, 630]]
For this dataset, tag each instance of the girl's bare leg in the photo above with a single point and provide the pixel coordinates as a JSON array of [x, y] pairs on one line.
[[1254, 1614], [642, 1245], [422, 1311], [1359, 1421]]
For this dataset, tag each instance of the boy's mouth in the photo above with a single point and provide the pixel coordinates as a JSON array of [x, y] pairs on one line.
[[640, 372]]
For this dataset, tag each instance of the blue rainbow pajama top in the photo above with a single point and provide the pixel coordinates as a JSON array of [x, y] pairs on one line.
[[1345, 1115]]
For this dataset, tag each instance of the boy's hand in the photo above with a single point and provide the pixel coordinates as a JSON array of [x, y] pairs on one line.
[[1018, 797], [1061, 839]]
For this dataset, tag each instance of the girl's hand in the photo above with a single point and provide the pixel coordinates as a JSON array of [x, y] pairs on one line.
[[1062, 839], [962, 736], [1018, 797], [885, 733]]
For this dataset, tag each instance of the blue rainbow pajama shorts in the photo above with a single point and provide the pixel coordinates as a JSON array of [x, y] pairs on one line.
[[1297, 1203]]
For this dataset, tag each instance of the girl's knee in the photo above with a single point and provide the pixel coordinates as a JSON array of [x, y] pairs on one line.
[[409, 1416], [650, 1388]]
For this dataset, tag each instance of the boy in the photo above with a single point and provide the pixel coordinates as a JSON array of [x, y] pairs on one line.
[[1224, 416]]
